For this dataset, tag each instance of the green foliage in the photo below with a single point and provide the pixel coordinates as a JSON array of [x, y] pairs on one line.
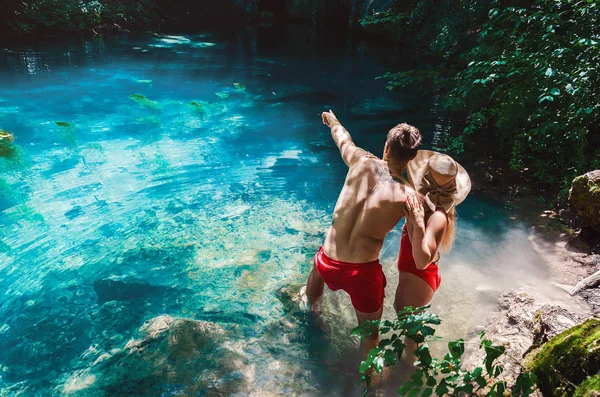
[[533, 75], [433, 375], [525, 73], [76, 15]]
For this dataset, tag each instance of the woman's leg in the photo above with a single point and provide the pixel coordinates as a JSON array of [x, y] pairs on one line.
[[412, 291]]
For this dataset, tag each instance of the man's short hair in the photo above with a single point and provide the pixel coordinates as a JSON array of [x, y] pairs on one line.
[[403, 141]]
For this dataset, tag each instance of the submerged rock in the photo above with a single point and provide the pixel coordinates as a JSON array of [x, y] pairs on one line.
[[117, 290], [174, 355], [567, 360], [584, 196], [7, 147]]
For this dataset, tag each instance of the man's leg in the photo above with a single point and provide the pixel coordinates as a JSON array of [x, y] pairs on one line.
[[314, 290], [368, 342]]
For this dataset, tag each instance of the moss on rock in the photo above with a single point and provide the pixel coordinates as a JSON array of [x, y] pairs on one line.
[[567, 360], [585, 198], [589, 388]]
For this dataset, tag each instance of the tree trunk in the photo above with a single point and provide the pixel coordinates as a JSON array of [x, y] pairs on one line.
[[586, 283]]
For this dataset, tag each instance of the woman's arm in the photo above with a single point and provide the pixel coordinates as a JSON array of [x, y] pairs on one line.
[[425, 241]]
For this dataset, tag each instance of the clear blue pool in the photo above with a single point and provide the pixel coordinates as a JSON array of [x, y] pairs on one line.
[[199, 197]]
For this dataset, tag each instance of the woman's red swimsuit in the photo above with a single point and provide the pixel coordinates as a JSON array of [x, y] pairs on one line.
[[364, 282], [406, 263]]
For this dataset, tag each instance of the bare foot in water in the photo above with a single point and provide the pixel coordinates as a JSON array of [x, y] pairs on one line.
[[315, 311]]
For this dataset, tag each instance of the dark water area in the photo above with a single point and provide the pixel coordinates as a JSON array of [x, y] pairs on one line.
[[190, 175]]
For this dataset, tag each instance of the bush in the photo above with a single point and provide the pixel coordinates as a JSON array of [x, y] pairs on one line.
[[436, 376], [525, 77], [77, 15], [533, 78]]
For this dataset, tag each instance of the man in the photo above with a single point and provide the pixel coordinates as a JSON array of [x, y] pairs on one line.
[[370, 204]]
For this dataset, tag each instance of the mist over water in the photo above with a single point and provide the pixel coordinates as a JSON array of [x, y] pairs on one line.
[[190, 175]]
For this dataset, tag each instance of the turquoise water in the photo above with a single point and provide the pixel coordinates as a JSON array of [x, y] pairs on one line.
[[199, 197]]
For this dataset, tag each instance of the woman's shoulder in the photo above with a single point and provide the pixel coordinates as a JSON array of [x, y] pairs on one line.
[[438, 219]]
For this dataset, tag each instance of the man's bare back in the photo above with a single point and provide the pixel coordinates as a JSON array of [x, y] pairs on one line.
[[369, 206]]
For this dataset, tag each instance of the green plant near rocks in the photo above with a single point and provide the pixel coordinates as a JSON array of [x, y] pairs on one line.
[[435, 376]]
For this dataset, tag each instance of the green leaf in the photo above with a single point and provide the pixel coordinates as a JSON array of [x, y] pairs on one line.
[[431, 381], [427, 392], [554, 91], [424, 355], [417, 379], [404, 389], [546, 98], [481, 382], [498, 370], [390, 357], [457, 348], [378, 364], [442, 388], [364, 366], [414, 393]]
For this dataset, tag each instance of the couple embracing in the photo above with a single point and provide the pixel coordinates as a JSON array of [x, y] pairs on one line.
[[375, 197]]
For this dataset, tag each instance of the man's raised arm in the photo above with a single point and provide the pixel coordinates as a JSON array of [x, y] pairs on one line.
[[350, 152]]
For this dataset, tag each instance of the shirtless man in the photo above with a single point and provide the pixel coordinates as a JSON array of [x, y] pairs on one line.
[[370, 204]]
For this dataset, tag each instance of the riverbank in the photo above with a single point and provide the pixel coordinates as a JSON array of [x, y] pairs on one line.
[[527, 317]]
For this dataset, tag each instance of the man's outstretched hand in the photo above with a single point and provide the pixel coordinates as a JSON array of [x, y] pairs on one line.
[[329, 119]]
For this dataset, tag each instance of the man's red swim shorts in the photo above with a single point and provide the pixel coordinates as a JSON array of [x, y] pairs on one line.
[[364, 282]]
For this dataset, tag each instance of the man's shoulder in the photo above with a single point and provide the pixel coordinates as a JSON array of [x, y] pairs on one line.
[[368, 163]]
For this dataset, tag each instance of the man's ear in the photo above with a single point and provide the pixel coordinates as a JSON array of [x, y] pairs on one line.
[[386, 149]]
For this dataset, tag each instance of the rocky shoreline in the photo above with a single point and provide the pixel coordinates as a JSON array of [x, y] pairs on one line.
[[527, 318]]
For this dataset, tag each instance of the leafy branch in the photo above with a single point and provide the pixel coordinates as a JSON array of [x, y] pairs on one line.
[[432, 375]]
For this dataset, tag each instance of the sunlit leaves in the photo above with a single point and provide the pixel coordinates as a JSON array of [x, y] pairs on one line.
[[433, 375]]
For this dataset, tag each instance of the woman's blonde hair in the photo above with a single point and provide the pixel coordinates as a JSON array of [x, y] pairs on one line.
[[448, 238]]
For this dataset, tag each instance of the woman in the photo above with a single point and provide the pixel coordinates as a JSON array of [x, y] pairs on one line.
[[429, 228]]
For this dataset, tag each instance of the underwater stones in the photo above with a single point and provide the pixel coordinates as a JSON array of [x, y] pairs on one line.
[[6, 136], [584, 196], [239, 87], [63, 124], [186, 355], [567, 360], [117, 290], [7, 146], [142, 100]]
